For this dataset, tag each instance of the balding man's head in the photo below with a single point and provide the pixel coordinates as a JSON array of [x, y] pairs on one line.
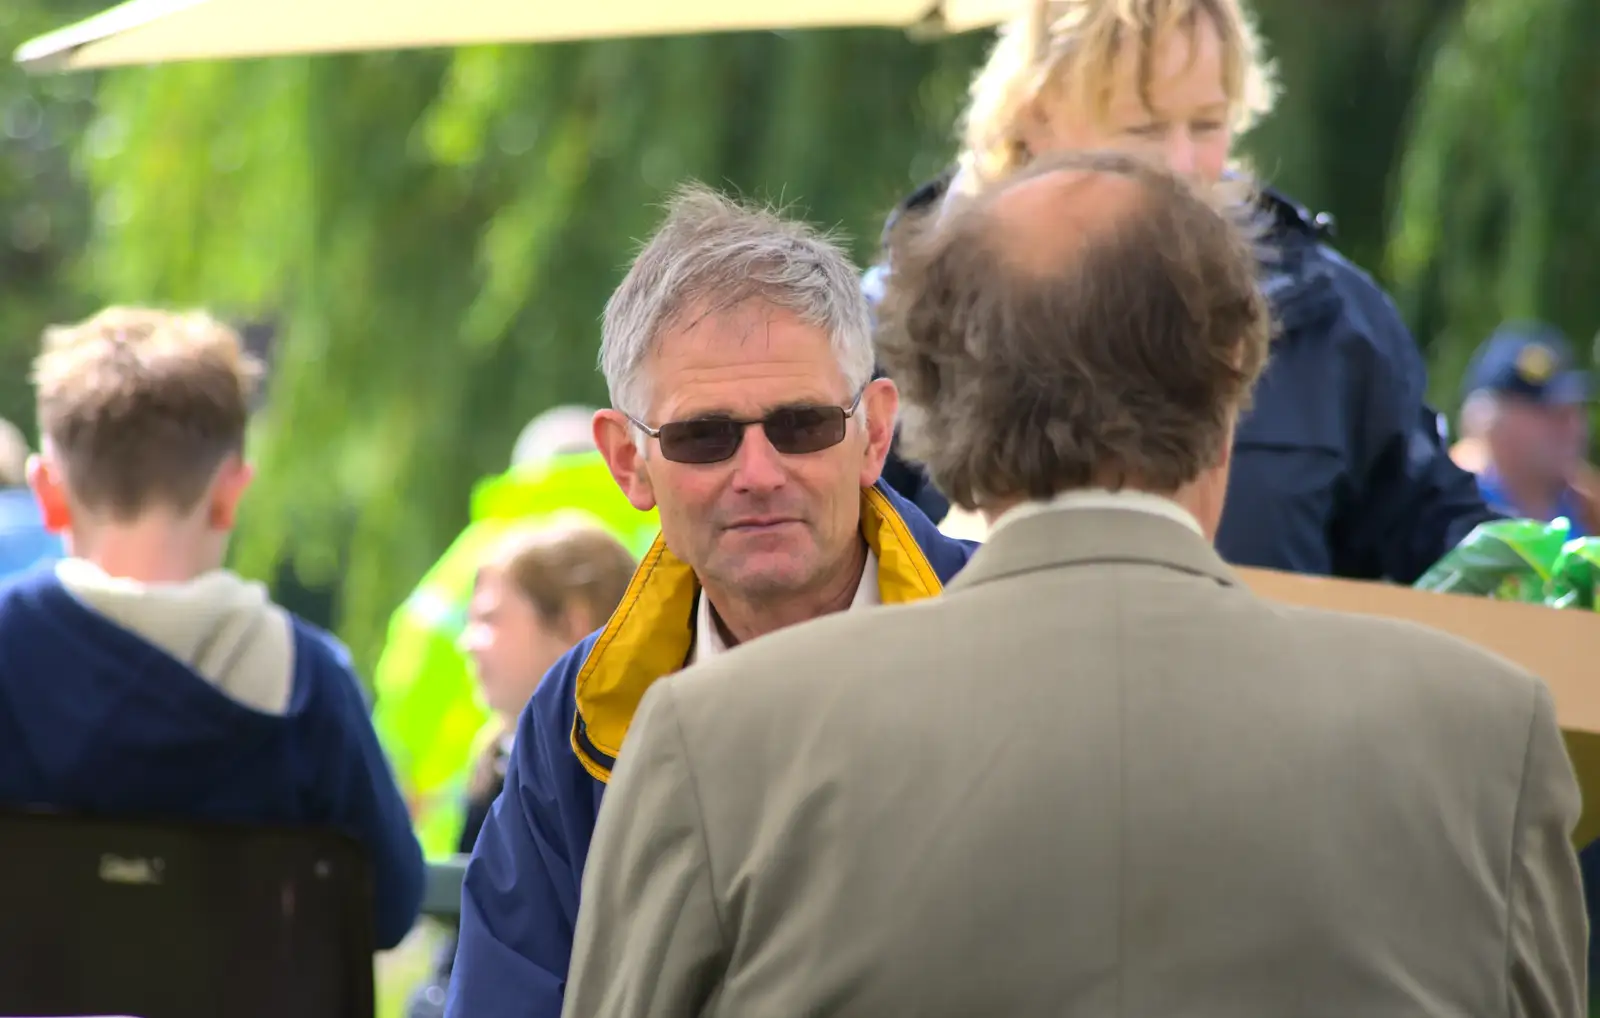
[[1091, 321], [1045, 221]]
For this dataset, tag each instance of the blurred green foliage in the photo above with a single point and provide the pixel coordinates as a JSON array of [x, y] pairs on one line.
[[44, 206], [433, 234], [1499, 189]]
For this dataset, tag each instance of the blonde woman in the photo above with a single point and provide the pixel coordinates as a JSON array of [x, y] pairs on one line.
[[1339, 468]]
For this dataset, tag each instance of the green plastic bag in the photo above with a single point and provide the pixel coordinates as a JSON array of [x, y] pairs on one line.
[[1507, 560], [1576, 574]]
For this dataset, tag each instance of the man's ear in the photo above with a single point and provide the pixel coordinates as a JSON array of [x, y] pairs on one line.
[[50, 491], [233, 480], [881, 403], [614, 436]]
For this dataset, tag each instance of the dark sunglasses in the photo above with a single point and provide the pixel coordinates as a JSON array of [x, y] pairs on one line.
[[792, 430]]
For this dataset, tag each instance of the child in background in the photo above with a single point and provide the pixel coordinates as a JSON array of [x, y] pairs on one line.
[[536, 596], [138, 677]]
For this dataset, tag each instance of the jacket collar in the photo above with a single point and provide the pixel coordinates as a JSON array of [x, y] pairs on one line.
[[652, 631], [1063, 537]]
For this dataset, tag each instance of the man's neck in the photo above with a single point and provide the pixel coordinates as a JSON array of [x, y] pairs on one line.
[[1196, 501], [738, 619], [145, 552]]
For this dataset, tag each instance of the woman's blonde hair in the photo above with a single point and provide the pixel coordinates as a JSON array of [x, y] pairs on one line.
[[1069, 47]]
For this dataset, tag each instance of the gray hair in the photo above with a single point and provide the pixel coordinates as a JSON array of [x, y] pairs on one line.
[[713, 253]]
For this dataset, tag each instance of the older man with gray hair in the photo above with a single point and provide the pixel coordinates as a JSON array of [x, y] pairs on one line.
[[738, 354]]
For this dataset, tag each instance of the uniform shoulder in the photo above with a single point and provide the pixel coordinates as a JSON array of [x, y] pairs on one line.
[[1316, 288], [1286, 215], [1292, 225]]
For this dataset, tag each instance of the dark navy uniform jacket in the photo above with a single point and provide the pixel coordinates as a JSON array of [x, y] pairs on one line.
[[1338, 468]]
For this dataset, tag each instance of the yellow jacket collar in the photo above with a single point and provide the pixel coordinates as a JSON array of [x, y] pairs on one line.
[[652, 631]]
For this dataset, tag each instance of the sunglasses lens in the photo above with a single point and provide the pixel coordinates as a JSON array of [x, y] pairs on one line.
[[709, 440], [793, 431], [800, 430]]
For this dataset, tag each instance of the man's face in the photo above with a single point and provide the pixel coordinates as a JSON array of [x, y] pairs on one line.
[[760, 525], [1536, 440]]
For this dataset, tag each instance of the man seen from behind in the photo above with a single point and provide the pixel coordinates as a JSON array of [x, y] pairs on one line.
[[1098, 776], [138, 677]]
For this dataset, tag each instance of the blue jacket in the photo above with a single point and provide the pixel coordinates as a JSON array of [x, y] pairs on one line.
[[1338, 469], [520, 899], [94, 719]]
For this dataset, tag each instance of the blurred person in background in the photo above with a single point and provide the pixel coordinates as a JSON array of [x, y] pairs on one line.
[[139, 678], [738, 354], [429, 713], [1532, 403], [24, 539], [541, 590], [1339, 468]]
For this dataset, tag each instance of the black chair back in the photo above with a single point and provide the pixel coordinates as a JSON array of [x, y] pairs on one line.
[[181, 920]]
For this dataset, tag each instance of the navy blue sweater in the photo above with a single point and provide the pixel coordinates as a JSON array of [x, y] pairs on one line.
[[94, 719]]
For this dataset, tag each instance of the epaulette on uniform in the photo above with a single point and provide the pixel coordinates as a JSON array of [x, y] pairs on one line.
[[1288, 214]]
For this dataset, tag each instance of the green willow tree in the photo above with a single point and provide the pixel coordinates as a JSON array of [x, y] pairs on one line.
[[1497, 213], [1348, 69], [44, 206]]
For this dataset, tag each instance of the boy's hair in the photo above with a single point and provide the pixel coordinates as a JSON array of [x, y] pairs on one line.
[[140, 408]]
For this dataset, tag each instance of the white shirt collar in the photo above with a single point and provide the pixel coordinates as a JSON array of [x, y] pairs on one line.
[[708, 638], [1100, 498]]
